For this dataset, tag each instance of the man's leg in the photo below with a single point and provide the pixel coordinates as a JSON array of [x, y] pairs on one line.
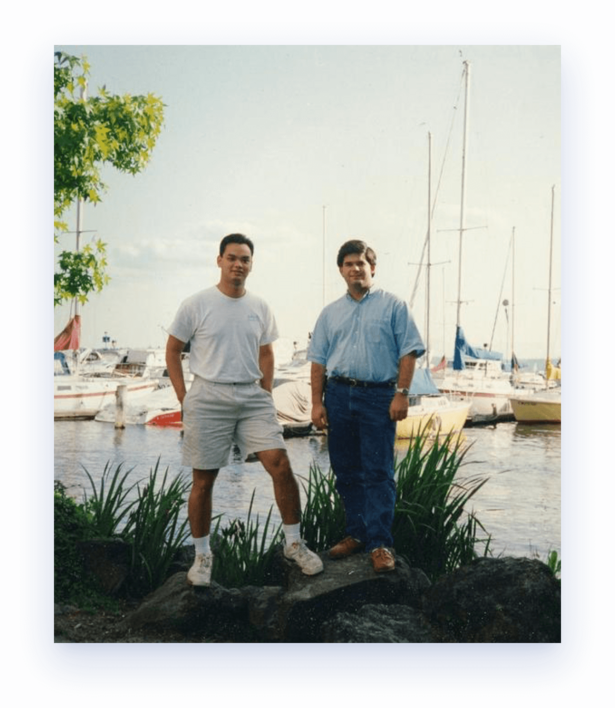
[[285, 487], [199, 515], [200, 502], [286, 491], [378, 462], [345, 455]]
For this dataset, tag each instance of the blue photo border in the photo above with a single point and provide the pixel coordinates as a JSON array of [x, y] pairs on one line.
[[293, 669]]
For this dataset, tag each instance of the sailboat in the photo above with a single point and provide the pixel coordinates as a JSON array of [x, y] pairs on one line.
[[543, 405], [430, 412], [75, 395], [477, 376]]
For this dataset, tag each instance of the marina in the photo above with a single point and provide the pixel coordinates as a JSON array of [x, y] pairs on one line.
[[115, 406]]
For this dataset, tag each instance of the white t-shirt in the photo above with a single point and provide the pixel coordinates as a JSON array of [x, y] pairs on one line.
[[225, 334]]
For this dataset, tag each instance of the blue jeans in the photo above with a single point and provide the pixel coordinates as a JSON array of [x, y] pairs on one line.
[[361, 449]]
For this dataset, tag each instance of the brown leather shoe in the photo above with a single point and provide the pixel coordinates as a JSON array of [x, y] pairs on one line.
[[382, 560], [346, 547]]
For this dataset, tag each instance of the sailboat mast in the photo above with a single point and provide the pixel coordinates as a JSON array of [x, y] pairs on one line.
[[427, 316], [512, 308], [550, 276], [324, 238], [463, 184]]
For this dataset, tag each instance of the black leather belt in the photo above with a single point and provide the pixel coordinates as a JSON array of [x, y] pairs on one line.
[[364, 384]]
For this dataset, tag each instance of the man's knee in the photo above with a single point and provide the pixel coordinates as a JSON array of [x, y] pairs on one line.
[[203, 480], [276, 462]]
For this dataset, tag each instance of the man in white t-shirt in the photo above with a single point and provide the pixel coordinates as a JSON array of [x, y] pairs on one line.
[[231, 333]]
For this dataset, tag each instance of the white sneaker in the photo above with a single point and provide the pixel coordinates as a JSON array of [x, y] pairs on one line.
[[307, 560], [200, 573]]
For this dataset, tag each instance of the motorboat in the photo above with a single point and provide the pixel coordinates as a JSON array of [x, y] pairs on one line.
[[81, 397]]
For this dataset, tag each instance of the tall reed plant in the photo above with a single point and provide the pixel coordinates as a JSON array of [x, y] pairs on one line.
[[432, 527], [323, 516], [244, 551], [107, 506], [154, 531]]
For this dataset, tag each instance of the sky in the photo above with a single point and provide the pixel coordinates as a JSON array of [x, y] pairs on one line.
[[304, 147]]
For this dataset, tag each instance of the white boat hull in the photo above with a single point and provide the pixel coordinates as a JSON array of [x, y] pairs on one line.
[[487, 399], [434, 416], [79, 398], [539, 407]]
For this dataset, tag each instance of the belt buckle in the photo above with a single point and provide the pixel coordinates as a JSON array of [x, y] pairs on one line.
[[353, 382]]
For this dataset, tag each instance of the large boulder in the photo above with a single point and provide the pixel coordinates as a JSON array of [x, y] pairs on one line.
[[379, 624], [345, 586], [203, 613], [496, 600], [292, 612], [490, 600]]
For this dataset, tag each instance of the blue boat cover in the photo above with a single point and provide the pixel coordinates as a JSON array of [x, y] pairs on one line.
[[464, 349], [422, 384]]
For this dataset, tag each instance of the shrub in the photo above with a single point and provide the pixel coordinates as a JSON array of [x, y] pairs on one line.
[[108, 507], [323, 516], [244, 552], [432, 528], [71, 525], [153, 530]]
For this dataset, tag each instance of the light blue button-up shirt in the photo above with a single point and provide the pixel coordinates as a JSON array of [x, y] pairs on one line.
[[365, 339]]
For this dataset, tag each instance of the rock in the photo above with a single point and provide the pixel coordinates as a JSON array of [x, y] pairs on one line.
[[344, 585], [292, 612], [379, 623], [496, 600], [264, 611], [194, 610], [108, 560], [491, 600]]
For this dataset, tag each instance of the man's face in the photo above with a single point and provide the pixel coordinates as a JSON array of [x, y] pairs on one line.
[[357, 272], [235, 264]]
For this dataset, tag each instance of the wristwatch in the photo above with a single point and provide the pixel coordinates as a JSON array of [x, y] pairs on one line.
[[405, 391]]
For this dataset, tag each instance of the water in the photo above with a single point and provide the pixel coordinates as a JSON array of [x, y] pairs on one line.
[[519, 505]]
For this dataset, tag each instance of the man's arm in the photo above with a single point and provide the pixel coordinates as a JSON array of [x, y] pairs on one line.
[[175, 347], [399, 405], [319, 412], [266, 363]]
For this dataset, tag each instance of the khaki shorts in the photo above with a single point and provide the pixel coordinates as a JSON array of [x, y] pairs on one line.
[[217, 415]]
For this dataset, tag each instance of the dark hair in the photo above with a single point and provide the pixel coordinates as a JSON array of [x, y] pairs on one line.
[[359, 247], [236, 238]]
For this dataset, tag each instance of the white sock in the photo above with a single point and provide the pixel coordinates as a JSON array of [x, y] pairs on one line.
[[201, 545], [291, 533]]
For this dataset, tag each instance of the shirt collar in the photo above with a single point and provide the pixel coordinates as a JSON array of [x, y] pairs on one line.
[[369, 291]]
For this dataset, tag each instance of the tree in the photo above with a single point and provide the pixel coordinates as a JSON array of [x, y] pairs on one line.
[[88, 133]]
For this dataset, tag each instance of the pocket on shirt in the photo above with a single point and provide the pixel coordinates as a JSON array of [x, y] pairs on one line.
[[376, 331]]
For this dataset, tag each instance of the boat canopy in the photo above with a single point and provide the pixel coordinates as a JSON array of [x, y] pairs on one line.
[[61, 369], [422, 384], [464, 349], [554, 373], [69, 337]]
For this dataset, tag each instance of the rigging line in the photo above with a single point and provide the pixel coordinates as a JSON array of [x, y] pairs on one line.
[[501, 290], [446, 148]]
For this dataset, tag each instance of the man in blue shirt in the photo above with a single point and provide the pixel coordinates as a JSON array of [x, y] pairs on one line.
[[363, 352]]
